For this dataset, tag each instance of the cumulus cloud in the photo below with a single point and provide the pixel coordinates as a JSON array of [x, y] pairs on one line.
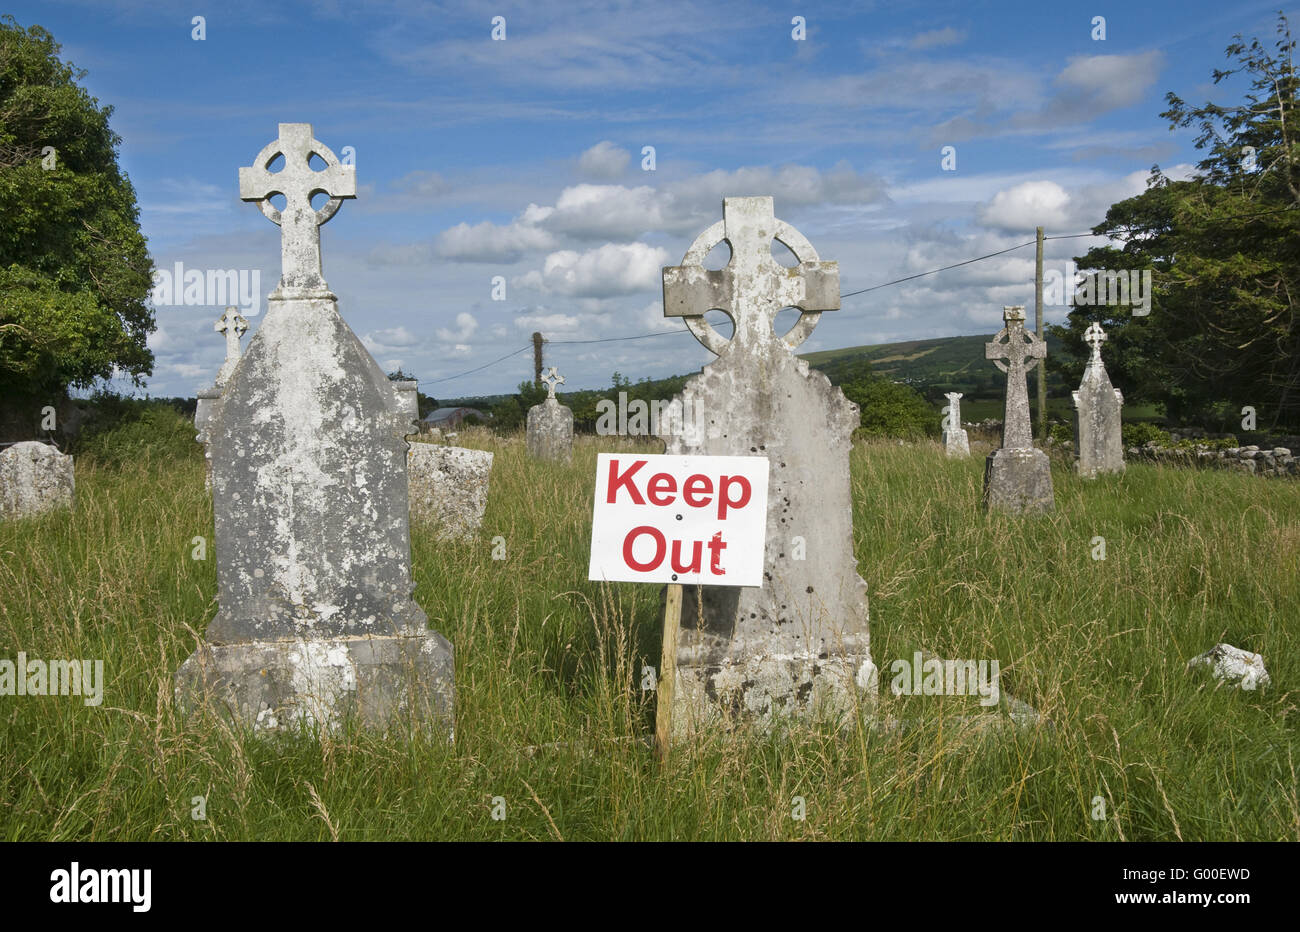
[[385, 341], [490, 242], [464, 331], [603, 160], [609, 270], [1094, 84], [1027, 205], [936, 38]]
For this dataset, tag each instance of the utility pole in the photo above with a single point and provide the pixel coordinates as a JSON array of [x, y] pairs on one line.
[[1038, 323], [537, 359]]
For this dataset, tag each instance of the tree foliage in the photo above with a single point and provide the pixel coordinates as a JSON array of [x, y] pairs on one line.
[[1224, 249], [74, 268]]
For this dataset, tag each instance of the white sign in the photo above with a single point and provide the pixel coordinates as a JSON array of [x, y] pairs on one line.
[[679, 519]]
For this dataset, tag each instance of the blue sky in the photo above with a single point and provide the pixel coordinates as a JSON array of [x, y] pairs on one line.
[[522, 158]]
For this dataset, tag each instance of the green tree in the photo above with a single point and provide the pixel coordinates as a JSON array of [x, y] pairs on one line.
[[891, 409], [74, 268], [1224, 249]]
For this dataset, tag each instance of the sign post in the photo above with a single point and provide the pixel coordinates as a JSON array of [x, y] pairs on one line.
[[679, 520]]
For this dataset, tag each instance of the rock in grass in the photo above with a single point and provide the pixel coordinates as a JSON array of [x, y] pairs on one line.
[[1233, 665], [34, 478]]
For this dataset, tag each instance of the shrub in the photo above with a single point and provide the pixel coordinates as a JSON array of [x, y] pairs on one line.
[[130, 431], [890, 409], [1139, 433]]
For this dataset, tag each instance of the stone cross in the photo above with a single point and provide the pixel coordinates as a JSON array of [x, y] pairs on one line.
[[956, 443], [233, 326], [552, 379], [1017, 477], [797, 647], [1019, 350], [307, 440], [1094, 336], [753, 287], [1098, 408], [298, 182], [549, 433]]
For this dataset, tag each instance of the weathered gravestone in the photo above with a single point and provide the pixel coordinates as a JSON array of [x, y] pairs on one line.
[[316, 622], [550, 425], [233, 326], [799, 646], [449, 488], [1098, 443], [1018, 477], [955, 442], [34, 478]]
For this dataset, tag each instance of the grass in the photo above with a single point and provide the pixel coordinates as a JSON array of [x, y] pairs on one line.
[[551, 716]]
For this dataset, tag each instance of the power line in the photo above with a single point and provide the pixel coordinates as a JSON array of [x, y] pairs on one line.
[[448, 378]]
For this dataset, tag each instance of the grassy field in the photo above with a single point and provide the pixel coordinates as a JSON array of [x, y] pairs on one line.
[[552, 718]]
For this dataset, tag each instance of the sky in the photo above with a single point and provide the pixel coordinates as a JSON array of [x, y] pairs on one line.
[[521, 159]]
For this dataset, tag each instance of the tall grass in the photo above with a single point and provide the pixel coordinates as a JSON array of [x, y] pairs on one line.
[[551, 716]]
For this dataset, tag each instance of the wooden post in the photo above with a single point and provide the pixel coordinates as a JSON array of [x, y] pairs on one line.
[[667, 671], [537, 359], [1038, 324]]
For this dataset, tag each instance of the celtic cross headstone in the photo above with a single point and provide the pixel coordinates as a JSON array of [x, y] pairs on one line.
[[956, 443], [1017, 477], [550, 425], [799, 646], [316, 623], [1098, 441]]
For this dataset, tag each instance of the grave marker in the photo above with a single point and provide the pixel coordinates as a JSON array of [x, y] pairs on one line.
[[1017, 477], [955, 442], [550, 425], [316, 622], [1098, 441], [799, 646]]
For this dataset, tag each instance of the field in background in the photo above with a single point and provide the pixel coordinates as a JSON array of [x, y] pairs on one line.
[[552, 718]]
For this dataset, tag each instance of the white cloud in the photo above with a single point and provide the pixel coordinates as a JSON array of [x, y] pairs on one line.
[[603, 160], [1027, 205], [936, 38], [465, 327], [385, 341], [490, 242], [548, 322], [609, 270]]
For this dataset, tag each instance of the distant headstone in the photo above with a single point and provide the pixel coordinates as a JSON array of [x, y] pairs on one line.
[[34, 478], [1098, 441], [316, 623], [955, 442], [1017, 477], [799, 646], [233, 326], [449, 488], [550, 425]]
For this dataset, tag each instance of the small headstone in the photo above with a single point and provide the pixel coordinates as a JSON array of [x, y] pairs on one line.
[[955, 442], [550, 425], [799, 646], [316, 624], [1232, 665], [34, 478], [1017, 477], [233, 326], [1098, 443], [449, 488]]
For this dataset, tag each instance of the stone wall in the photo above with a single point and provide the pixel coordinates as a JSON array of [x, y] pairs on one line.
[[1267, 461]]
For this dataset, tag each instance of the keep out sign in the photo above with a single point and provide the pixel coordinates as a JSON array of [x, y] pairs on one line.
[[679, 519]]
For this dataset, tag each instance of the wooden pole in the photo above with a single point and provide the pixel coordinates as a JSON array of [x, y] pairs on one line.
[[667, 670], [1038, 323]]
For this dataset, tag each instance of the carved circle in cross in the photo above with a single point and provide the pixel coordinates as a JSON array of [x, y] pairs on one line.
[[795, 241], [277, 148], [1094, 335], [1015, 332], [552, 379]]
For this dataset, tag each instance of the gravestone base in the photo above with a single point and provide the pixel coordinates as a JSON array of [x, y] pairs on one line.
[[1018, 482], [766, 691], [956, 444], [322, 683]]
